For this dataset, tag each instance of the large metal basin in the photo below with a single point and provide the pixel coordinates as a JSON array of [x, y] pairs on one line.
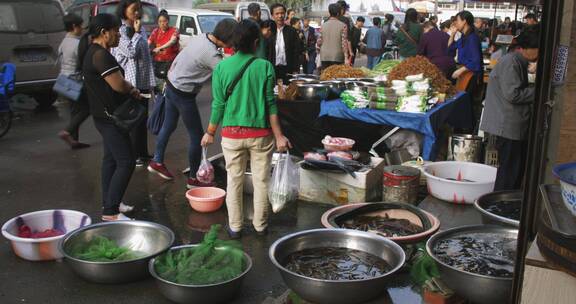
[[206, 294], [336, 292], [494, 219], [145, 237], [479, 289]]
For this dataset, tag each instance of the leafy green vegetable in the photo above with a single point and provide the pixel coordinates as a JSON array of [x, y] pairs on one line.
[[212, 261], [102, 249]]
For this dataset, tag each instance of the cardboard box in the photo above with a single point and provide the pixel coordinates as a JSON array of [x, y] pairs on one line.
[[341, 189]]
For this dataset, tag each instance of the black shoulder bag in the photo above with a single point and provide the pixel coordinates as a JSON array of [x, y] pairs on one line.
[[230, 88], [127, 115]]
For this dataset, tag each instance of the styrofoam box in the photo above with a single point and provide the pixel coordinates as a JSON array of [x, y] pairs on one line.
[[339, 189]]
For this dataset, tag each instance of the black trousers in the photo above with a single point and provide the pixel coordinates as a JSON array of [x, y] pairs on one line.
[[139, 134], [117, 165], [282, 73], [512, 158], [79, 112]]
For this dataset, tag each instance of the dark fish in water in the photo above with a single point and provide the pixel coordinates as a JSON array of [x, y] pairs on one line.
[[507, 209], [383, 225], [460, 180], [481, 253], [336, 264]]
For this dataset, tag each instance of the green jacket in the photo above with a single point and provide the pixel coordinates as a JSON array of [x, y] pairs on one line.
[[252, 100], [406, 47]]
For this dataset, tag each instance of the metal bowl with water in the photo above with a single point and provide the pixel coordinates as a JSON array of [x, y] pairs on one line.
[[206, 294], [478, 288], [313, 91], [336, 292], [149, 239], [493, 197]]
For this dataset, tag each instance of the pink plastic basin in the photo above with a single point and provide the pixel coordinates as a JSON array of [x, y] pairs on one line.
[[409, 239], [206, 199]]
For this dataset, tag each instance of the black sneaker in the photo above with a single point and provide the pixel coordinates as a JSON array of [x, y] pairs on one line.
[[141, 162], [233, 234]]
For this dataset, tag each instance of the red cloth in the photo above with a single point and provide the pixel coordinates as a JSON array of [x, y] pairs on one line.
[[245, 132], [159, 38]]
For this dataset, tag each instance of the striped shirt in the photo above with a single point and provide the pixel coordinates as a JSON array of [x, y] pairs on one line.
[[194, 64], [134, 57]]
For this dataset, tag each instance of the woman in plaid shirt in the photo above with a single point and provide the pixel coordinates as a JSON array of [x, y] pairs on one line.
[[133, 55]]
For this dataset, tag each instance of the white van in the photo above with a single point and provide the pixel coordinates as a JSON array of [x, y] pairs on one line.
[[193, 22], [239, 9]]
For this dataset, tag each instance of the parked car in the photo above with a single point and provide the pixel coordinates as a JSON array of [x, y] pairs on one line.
[[88, 8], [238, 9], [193, 22], [31, 32]]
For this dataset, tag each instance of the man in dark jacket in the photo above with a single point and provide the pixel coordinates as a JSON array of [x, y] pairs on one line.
[[310, 39], [508, 108], [285, 46], [356, 35]]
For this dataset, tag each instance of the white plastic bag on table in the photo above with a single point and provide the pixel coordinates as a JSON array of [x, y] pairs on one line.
[[205, 173], [284, 184]]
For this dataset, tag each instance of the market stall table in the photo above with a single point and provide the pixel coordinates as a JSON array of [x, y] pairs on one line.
[[456, 111]]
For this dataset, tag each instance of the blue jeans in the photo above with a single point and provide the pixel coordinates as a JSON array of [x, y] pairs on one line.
[[373, 61], [311, 64], [177, 105]]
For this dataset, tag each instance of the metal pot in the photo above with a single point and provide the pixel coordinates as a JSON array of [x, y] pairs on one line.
[[303, 80], [313, 91], [336, 292], [479, 289], [491, 218], [335, 86], [304, 76], [206, 294], [465, 147], [146, 237]]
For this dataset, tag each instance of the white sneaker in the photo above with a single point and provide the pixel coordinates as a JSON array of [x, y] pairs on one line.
[[125, 208]]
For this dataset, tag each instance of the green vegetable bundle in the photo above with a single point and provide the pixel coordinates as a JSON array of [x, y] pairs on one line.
[[385, 66], [102, 249], [212, 261]]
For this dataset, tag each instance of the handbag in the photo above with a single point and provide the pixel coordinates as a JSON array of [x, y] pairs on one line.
[[127, 115], [156, 118], [69, 86]]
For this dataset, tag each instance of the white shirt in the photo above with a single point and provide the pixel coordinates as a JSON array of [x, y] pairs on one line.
[[280, 48]]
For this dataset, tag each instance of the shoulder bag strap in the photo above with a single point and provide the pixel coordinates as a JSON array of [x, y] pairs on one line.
[[231, 87], [408, 36]]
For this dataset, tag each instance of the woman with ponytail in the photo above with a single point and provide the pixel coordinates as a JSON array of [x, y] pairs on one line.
[[107, 89], [134, 56]]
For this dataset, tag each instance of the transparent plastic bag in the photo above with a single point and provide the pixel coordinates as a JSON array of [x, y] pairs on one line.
[[205, 173], [284, 184]]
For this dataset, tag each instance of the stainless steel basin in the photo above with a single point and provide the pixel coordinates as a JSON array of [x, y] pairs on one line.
[[336, 292], [147, 238], [494, 219], [479, 289], [206, 294]]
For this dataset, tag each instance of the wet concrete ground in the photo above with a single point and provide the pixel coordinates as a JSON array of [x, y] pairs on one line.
[[40, 172]]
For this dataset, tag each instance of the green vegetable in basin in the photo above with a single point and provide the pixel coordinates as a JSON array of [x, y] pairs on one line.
[[212, 261], [102, 249]]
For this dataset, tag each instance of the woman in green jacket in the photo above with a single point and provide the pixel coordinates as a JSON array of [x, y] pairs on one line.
[[408, 35], [250, 126]]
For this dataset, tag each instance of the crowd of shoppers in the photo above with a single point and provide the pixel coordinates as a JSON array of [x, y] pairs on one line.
[[119, 63]]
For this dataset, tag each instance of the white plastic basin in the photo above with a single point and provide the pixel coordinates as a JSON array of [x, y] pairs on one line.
[[459, 182]]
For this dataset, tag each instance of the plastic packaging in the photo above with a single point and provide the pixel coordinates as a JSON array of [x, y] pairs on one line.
[[284, 184], [205, 172]]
